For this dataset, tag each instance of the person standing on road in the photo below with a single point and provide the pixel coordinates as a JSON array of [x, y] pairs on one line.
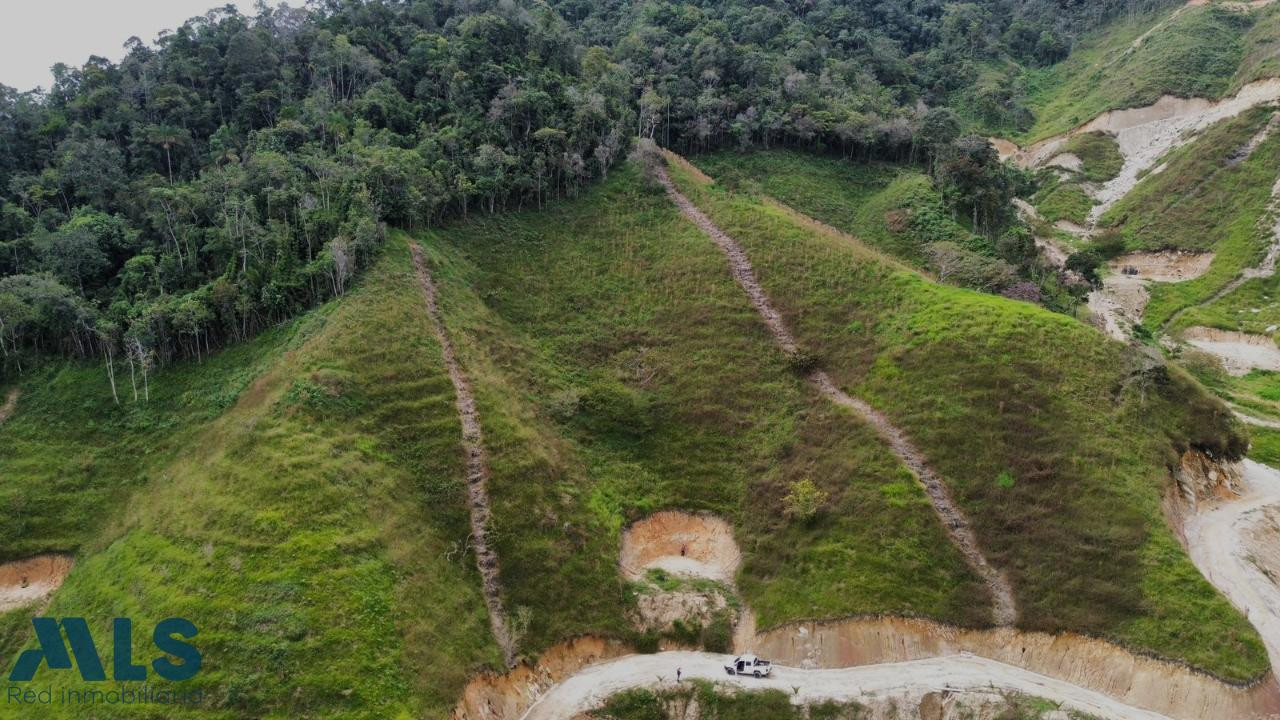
[[677, 674]]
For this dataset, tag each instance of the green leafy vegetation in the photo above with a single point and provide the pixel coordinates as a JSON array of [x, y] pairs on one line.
[[317, 540], [1064, 201], [1099, 155], [242, 169], [981, 386], [716, 702], [1213, 196], [1190, 51], [619, 371]]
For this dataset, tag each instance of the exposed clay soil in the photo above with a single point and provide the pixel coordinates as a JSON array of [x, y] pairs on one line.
[[9, 406], [1095, 665], [1165, 266], [477, 463], [30, 581], [1004, 610], [1066, 161], [1118, 305], [687, 546], [509, 696], [1233, 544], [1239, 352], [681, 544], [1143, 135]]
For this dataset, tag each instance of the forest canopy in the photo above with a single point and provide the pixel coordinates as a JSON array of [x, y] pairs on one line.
[[241, 169]]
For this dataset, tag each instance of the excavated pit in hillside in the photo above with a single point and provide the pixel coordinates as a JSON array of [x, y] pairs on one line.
[[681, 544], [31, 580], [1166, 266], [1239, 352], [684, 545]]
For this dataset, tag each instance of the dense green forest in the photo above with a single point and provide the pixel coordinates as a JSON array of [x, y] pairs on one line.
[[242, 169]]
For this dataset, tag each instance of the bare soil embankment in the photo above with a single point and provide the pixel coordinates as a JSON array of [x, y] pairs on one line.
[[1239, 352], [31, 580]]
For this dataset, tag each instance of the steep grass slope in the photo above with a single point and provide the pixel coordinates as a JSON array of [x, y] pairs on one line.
[[1207, 50], [1211, 197], [618, 372], [1057, 442], [315, 531], [890, 207]]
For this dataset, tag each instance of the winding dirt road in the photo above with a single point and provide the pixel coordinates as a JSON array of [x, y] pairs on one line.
[[477, 466], [1217, 545], [1004, 610], [1216, 540], [907, 682]]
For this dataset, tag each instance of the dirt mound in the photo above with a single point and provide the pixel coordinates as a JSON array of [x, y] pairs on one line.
[[1240, 352], [29, 581], [1166, 266], [1233, 543], [681, 544], [1143, 135], [1147, 133]]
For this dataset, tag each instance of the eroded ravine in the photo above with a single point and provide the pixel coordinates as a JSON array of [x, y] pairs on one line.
[[1004, 610], [477, 466]]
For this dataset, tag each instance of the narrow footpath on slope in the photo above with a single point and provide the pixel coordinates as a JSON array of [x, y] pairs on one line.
[[477, 464], [957, 525]]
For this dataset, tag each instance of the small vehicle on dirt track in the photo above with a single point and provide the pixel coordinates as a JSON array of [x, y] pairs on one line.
[[749, 665]]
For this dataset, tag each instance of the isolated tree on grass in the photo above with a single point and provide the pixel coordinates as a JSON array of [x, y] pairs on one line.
[[804, 501]]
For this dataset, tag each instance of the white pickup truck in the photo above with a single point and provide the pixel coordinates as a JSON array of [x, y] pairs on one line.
[[749, 665]]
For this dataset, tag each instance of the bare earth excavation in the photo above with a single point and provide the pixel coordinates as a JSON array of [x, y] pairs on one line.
[[477, 466], [957, 526], [32, 580]]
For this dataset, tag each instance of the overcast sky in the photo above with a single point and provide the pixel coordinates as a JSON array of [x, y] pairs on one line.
[[35, 34]]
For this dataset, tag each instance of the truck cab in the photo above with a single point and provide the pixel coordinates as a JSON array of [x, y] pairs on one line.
[[749, 665]]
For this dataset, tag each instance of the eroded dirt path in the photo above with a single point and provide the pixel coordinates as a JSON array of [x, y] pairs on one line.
[[10, 405], [1004, 610], [906, 682], [1218, 542], [477, 463]]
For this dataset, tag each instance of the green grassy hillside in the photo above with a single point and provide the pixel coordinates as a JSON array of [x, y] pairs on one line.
[[1059, 457], [305, 506], [619, 372], [1201, 51], [894, 208], [1209, 198], [314, 532]]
